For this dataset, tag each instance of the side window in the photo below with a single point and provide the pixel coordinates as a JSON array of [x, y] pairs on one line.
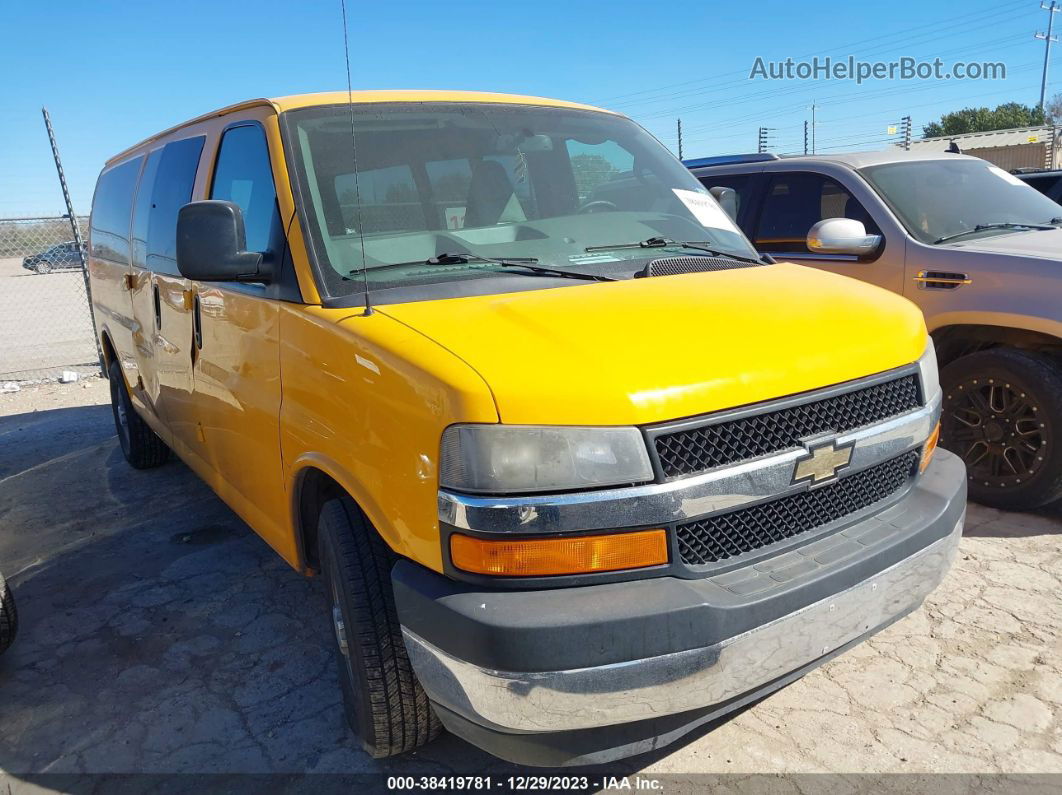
[[740, 183], [243, 176], [109, 224], [450, 181], [796, 202], [171, 190], [389, 200], [142, 208]]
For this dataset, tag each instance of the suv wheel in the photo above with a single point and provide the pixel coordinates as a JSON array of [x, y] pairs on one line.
[[385, 704], [1002, 415], [141, 446], [8, 616]]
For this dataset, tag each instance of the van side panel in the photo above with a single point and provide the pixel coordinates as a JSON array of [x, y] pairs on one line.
[[366, 400], [108, 261]]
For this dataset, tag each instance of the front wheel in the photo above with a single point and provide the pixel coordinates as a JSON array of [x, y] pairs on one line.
[[1002, 414], [8, 616], [385, 704]]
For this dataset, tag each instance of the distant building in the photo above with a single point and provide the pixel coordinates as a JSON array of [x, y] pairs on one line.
[[1020, 148]]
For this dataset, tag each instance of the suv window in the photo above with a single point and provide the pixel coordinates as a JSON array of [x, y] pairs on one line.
[[171, 190], [796, 202], [243, 176], [740, 183], [110, 211]]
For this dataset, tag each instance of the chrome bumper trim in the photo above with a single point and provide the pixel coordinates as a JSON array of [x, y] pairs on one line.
[[611, 694], [722, 489]]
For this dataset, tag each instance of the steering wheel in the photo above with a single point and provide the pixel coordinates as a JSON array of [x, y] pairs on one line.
[[597, 206]]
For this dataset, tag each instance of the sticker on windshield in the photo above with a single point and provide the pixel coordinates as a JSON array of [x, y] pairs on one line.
[[591, 259], [1013, 180], [705, 209]]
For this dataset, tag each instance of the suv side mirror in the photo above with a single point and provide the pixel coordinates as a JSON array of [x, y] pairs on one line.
[[211, 242], [727, 198], [842, 236]]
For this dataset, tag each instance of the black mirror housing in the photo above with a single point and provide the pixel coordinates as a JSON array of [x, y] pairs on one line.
[[210, 244]]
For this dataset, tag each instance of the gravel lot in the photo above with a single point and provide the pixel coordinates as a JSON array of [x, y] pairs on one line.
[[160, 635]]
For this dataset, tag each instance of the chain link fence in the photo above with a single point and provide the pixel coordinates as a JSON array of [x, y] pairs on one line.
[[45, 318]]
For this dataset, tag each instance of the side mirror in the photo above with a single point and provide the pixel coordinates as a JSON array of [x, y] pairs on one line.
[[211, 242], [842, 236], [727, 198]]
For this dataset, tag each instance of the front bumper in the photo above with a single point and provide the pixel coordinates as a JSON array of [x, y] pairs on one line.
[[631, 654]]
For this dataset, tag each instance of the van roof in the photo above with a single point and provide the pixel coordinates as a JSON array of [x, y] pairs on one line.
[[281, 104]]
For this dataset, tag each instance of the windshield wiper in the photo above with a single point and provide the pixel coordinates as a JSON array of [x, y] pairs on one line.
[[528, 263], [663, 242], [986, 227]]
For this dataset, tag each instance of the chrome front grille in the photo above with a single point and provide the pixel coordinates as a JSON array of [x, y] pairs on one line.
[[729, 535], [694, 447]]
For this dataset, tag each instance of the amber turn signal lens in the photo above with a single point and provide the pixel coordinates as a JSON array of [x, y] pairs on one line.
[[541, 557], [927, 451]]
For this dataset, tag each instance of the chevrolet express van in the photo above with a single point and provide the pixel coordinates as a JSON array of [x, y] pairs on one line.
[[579, 470]]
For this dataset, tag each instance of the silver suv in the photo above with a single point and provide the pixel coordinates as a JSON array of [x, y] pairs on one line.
[[975, 247]]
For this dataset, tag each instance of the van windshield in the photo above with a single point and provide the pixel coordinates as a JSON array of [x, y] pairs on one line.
[[939, 201], [487, 180]]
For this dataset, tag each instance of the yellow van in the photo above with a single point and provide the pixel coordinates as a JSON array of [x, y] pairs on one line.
[[580, 470]]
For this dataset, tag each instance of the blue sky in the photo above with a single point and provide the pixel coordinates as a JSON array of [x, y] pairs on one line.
[[112, 73]]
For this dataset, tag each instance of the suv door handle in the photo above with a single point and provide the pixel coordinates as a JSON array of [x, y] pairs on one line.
[[941, 280]]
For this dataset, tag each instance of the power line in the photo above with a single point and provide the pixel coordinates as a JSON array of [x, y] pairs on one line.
[[950, 23]]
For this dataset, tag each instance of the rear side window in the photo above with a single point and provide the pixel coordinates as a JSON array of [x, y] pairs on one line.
[[172, 189], [243, 176], [110, 211], [142, 209], [796, 202]]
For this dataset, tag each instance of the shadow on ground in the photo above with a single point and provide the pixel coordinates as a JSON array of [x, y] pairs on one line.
[[158, 633]]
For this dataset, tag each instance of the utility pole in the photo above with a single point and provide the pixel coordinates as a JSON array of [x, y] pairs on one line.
[[805, 136], [680, 138], [1048, 39], [75, 227], [906, 127], [812, 127]]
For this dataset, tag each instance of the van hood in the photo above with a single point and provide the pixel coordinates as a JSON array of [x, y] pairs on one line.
[[646, 350], [1041, 243]]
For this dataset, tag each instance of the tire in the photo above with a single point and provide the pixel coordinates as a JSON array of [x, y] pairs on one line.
[[1002, 414], [141, 446], [385, 704], [44, 268], [8, 616]]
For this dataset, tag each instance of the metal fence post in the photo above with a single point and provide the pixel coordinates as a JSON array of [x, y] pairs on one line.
[[75, 227]]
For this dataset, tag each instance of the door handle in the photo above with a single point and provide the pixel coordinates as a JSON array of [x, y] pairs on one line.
[[157, 301], [941, 280], [197, 323]]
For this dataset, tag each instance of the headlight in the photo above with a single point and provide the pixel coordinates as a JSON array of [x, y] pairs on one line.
[[927, 367], [522, 458]]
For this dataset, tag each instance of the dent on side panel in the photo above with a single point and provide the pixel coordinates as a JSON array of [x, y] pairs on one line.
[[366, 399]]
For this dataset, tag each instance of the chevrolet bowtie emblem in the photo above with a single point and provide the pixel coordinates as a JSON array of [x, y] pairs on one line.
[[823, 460]]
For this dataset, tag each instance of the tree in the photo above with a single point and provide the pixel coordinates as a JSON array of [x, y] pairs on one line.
[[968, 120], [590, 171], [1054, 109]]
